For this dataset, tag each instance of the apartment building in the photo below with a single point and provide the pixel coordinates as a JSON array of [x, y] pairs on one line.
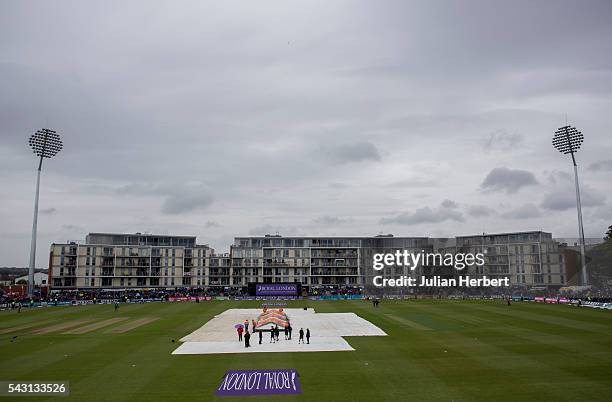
[[311, 261], [108, 260], [532, 259]]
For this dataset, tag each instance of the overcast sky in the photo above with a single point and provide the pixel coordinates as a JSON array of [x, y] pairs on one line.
[[221, 119]]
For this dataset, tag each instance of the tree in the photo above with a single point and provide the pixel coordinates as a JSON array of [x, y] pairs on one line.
[[609, 233]]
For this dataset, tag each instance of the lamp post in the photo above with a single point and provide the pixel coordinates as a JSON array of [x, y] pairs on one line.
[[567, 140], [45, 143]]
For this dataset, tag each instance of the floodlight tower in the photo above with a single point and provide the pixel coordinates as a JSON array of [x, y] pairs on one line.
[[45, 143], [567, 140]]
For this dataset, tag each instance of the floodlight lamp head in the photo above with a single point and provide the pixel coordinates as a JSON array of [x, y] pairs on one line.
[[45, 143], [567, 140]]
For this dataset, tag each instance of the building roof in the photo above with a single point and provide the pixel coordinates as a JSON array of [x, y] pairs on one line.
[[136, 234]]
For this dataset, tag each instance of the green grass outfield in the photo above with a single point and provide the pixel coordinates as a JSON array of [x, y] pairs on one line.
[[436, 350]]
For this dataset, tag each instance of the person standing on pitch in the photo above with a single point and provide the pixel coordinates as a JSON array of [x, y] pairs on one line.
[[272, 335], [239, 334], [301, 340], [246, 325], [286, 333], [260, 336], [290, 329], [247, 339], [308, 336]]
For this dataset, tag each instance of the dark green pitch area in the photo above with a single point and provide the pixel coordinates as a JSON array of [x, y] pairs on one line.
[[436, 350]]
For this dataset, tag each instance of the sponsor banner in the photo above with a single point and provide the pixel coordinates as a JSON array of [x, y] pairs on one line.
[[266, 297], [190, 298], [350, 297], [344, 297], [145, 300], [550, 300], [276, 289], [259, 382], [539, 299], [274, 304]]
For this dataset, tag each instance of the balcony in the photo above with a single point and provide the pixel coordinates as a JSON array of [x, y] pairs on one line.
[[275, 263], [334, 272]]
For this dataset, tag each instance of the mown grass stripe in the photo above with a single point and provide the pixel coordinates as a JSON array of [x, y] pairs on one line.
[[128, 326], [94, 326], [61, 326]]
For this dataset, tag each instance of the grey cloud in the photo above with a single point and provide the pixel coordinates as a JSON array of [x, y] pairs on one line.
[[48, 211], [603, 212], [478, 211], [73, 228], [178, 198], [426, 215], [502, 140], [557, 176], [330, 220], [219, 96], [143, 189], [449, 204], [350, 152], [525, 211], [187, 201], [605, 165], [211, 224], [414, 183], [563, 199], [507, 180]]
